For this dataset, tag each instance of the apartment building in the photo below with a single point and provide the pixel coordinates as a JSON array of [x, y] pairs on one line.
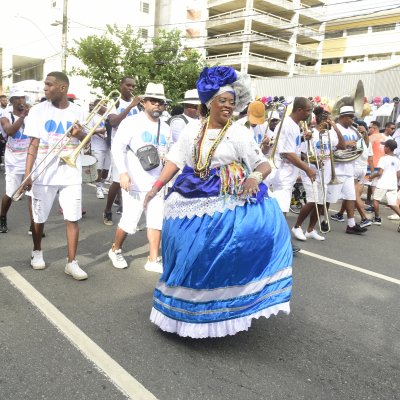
[[266, 37], [363, 43]]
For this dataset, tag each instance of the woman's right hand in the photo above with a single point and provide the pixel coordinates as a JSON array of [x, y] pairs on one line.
[[149, 196]]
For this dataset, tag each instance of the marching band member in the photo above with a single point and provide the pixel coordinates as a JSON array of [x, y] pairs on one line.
[[13, 124], [345, 173], [315, 190], [46, 124], [288, 155]]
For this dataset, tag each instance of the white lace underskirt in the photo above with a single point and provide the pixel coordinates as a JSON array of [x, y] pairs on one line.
[[177, 206], [213, 329]]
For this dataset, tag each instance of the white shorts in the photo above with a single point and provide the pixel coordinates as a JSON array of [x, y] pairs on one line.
[[391, 196], [133, 209], [359, 173], [281, 185], [103, 159], [308, 187], [13, 182], [114, 171], [344, 190], [70, 198]]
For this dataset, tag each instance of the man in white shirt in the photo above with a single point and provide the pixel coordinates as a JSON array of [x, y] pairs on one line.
[[128, 105], [100, 149], [134, 133], [190, 113], [47, 125], [13, 123], [288, 155], [345, 172]]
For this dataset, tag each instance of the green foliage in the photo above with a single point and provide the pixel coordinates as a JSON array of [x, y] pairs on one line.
[[121, 52]]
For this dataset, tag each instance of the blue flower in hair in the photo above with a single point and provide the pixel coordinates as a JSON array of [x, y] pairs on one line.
[[211, 79]]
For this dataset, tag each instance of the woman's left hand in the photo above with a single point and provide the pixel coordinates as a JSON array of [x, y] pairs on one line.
[[250, 188]]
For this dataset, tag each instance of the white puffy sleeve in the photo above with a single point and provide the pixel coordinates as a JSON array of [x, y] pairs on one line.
[[247, 150]]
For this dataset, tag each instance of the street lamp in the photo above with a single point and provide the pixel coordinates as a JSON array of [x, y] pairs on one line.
[[64, 40]]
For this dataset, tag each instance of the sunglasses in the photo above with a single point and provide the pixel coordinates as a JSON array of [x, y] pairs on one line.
[[154, 101]]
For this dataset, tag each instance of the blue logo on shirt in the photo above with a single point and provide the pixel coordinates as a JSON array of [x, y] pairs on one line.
[[298, 140], [52, 126], [147, 137]]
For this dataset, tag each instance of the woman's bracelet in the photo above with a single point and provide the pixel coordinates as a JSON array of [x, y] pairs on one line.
[[258, 176], [158, 184]]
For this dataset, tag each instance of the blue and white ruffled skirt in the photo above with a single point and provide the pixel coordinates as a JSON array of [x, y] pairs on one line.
[[225, 263]]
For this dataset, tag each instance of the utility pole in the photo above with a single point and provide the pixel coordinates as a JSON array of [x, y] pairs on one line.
[[64, 40]]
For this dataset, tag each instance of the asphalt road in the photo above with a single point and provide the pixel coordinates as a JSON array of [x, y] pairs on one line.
[[341, 340]]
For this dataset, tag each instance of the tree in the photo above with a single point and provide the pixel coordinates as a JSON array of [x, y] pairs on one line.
[[121, 52]]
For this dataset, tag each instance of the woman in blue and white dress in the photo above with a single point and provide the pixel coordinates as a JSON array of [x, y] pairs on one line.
[[226, 247]]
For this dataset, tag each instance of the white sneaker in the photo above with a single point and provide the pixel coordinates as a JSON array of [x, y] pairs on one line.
[[99, 193], [314, 235], [117, 259], [75, 271], [299, 234], [37, 261], [393, 217], [154, 266]]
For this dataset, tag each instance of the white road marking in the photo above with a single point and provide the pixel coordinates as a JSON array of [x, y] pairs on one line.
[[353, 267], [125, 382]]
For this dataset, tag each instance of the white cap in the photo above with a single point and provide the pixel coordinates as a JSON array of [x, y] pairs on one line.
[[16, 93]]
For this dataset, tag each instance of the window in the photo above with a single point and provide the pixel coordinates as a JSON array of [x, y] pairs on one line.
[[328, 61], [53, 3], [382, 28], [333, 34], [357, 31], [377, 57], [144, 7], [143, 33]]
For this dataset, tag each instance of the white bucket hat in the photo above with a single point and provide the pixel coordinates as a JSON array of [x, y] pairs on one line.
[[191, 97], [155, 91]]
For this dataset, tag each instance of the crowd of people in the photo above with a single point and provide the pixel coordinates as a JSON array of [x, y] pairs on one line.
[[214, 187]]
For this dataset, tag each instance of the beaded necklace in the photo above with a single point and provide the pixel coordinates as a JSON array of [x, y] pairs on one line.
[[203, 170]]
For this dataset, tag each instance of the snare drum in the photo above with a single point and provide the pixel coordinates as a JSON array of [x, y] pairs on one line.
[[89, 168]]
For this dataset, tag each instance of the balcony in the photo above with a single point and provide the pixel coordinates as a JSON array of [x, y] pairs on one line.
[[259, 43], [312, 13], [229, 5]]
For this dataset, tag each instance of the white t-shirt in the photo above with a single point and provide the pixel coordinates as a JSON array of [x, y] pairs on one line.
[[49, 124], [316, 145], [16, 147], [290, 137], [346, 168], [98, 143], [177, 125], [237, 145], [137, 131], [123, 104], [390, 166], [362, 161]]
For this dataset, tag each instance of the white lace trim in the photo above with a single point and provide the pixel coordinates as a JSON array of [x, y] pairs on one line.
[[178, 206], [213, 329]]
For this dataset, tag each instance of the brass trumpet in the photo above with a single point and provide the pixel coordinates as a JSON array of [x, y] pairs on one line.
[[109, 102]]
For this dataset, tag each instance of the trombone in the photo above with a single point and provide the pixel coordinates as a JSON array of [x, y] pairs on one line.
[[109, 102], [313, 157], [271, 156]]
